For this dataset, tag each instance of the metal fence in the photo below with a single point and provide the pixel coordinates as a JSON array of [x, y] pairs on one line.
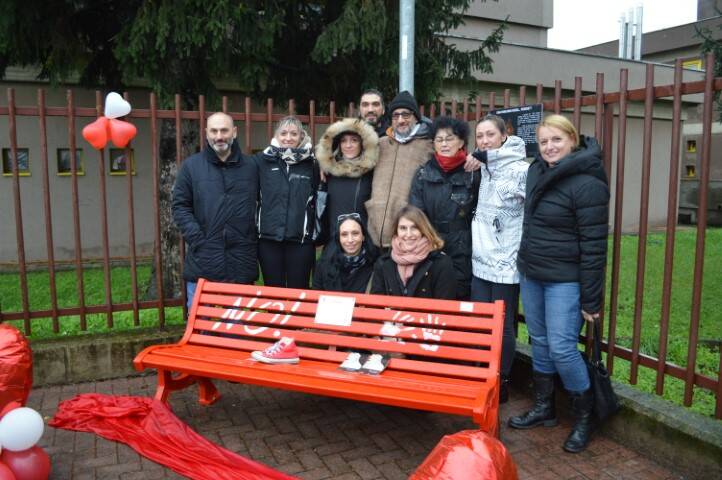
[[601, 105]]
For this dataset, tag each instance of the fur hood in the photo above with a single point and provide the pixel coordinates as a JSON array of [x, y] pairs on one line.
[[348, 168]]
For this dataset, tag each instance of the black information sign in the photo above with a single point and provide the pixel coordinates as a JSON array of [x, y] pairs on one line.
[[522, 122]]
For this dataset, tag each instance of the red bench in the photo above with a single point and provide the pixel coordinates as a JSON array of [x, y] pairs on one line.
[[445, 353]]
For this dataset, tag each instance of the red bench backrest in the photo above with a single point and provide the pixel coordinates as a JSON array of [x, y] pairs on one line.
[[445, 337]]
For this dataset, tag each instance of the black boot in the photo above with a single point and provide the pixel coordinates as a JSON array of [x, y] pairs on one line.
[[504, 389], [582, 406], [543, 411]]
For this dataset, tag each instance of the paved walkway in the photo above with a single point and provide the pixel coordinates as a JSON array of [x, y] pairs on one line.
[[321, 438]]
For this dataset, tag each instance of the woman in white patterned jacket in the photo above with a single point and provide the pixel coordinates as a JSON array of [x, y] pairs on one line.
[[497, 226]]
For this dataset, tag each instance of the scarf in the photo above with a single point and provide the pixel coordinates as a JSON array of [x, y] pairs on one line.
[[350, 264], [403, 138], [448, 164], [407, 259], [291, 156]]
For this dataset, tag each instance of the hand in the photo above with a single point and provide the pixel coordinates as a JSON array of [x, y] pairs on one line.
[[590, 317], [323, 176], [471, 164]]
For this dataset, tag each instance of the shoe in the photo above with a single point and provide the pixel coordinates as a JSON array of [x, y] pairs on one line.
[[352, 363], [283, 351], [375, 364], [503, 389], [582, 406], [543, 411]]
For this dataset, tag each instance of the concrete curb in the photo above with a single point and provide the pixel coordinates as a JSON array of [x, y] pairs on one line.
[[671, 435]]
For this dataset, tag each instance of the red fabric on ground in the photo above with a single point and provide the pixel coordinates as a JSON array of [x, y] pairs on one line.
[[152, 430], [16, 366], [467, 454]]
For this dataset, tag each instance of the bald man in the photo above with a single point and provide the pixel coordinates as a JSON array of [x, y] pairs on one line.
[[214, 205]]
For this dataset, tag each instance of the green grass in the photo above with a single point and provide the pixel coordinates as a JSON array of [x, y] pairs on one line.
[[67, 294], [708, 355]]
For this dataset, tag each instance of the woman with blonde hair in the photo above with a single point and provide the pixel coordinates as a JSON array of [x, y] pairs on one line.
[[289, 177], [415, 266], [561, 260]]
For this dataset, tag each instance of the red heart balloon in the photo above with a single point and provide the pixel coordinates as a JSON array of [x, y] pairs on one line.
[[6, 473], [16, 366], [96, 133], [121, 132], [30, 464]]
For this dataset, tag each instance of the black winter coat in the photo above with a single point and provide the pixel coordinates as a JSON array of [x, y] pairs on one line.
[[214, 204], [564, 238], [331, 275], [287, 204], [432, 278], [347, 195], [449, 200]]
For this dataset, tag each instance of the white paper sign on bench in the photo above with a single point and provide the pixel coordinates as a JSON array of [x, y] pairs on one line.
[[333, 310]]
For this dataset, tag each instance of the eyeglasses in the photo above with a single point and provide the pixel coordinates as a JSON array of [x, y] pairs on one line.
[[441, 140], [404, 115], [346, 216]]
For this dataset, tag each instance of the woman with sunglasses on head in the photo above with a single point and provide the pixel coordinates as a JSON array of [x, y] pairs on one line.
[[447, 195], [415, 266], [347, 262], [347, 154], [289, 178], [562, 256], [496, 228]]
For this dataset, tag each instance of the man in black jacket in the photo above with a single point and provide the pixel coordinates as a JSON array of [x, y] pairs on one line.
[[214, 205]]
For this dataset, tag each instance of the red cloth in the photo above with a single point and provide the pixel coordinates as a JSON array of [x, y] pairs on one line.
[[467, 454], [16, 366], [151, 429], [447, 164]]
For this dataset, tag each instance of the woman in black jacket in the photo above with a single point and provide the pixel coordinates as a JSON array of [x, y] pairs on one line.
[[447, 194], [561, 261], [415, 266], [347, 154], [289, 178], [348, 260]]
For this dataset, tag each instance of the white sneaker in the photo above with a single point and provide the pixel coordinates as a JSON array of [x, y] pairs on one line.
[[352, 362], [375, 364]]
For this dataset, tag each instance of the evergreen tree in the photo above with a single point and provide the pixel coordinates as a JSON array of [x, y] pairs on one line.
[[322, 50]]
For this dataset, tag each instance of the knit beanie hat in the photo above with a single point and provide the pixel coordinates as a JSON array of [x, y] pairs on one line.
[[405, 100]]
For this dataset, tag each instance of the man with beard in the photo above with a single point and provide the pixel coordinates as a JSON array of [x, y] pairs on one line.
[[372, 111], [214, 205], [401, 153]]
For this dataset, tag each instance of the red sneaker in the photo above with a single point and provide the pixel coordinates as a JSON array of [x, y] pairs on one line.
[[283, 351]]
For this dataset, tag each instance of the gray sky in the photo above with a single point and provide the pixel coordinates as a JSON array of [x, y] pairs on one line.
[[581, 23]]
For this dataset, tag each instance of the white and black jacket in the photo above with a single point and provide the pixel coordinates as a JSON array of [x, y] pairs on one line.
[[497, 225]]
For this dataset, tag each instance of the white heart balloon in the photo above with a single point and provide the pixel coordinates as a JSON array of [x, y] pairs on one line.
[[21, 429], [116, 106]]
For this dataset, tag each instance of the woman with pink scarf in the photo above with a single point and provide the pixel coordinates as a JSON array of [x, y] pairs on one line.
[[415, 266]]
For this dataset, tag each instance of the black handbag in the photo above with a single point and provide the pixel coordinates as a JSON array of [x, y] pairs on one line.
[[606, 403]]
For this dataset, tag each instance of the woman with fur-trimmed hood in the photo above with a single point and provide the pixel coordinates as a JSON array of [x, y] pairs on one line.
[[347, 155]]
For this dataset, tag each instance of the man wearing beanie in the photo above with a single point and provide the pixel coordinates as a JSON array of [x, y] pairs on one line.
[[406, 147]]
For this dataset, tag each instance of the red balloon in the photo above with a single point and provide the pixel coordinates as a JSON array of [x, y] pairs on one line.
[[96, 133], [121, 132], [6, 473], [16, 367], [30, 464]]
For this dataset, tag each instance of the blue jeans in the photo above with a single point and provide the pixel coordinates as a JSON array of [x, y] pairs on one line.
[[554, 319], [190, 293]]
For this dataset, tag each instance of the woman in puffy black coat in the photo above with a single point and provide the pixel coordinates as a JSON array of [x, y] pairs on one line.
[[447, 194], [415, 266], [289, 178], [561, 260], [347, 154], [348, 260]]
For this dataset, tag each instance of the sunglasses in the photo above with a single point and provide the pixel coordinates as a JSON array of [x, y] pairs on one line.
[[353, 216]]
